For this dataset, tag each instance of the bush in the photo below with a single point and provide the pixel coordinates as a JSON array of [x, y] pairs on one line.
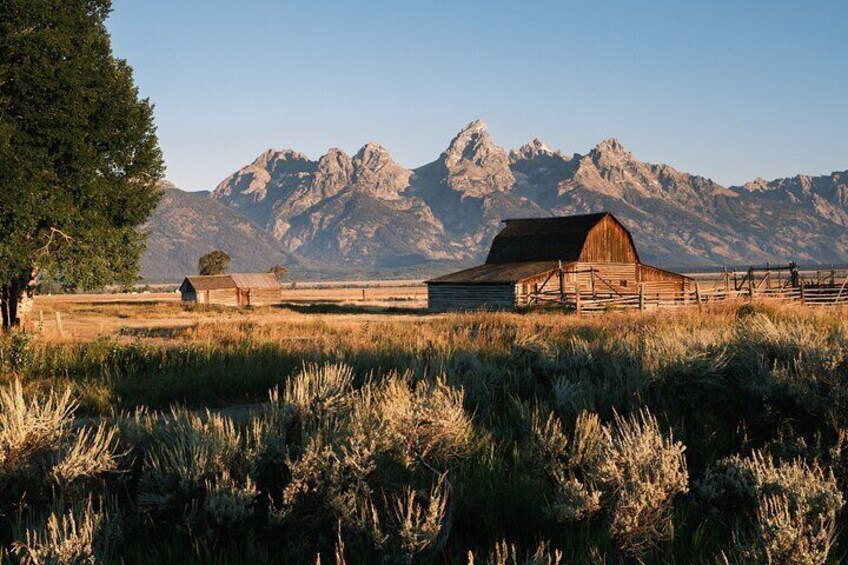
[[41, 450], [795, 505], [80, 535], [629, 468]]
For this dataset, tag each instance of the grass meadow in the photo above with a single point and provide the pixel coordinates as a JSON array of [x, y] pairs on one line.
[[341, 435]]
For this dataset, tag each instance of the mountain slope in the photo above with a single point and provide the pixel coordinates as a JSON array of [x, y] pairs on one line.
[[187, 225], [367, 211]]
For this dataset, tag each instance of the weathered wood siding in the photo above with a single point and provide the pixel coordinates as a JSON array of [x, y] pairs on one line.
[[264, 296], [463, 297], [608, 242], [622, 278], [658, 281], [223, 297]]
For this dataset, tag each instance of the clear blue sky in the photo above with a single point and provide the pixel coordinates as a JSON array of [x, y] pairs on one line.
[[728, 89]]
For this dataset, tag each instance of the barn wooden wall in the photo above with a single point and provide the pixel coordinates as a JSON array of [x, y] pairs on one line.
[[659, 281], [224, 297], [264, 296], [459, 297], [608, 242]]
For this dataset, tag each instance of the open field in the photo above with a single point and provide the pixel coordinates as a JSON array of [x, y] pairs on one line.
[[397, 436]]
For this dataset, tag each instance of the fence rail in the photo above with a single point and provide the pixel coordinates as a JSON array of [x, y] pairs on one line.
[[832, 293]]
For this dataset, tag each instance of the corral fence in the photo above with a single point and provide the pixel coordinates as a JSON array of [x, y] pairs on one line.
[[778, 284]]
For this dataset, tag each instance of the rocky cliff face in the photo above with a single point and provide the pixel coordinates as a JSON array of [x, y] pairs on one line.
[[369, 211]]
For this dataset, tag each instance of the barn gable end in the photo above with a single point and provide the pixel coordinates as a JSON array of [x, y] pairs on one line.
[[590, 253]]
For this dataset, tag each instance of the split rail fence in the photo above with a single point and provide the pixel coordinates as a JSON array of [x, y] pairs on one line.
[[828, 288]]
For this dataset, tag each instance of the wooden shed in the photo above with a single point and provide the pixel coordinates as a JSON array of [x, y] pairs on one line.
[[590, 254], [237, 289]]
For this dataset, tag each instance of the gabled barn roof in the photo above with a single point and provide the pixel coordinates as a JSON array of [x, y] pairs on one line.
[[543, 239], [506, 273], [233, 280]]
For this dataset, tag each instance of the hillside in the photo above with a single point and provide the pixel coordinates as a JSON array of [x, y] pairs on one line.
[[187, 225]]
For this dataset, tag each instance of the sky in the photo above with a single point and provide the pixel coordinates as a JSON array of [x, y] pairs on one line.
[[731, 90]]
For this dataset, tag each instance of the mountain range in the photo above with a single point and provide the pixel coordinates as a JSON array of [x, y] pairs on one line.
[[367, 213]]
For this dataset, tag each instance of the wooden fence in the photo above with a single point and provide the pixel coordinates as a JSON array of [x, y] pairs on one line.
[[832, 293]]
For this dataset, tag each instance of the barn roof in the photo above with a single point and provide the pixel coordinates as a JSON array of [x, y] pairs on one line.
[[543, 239], [233, 280], [505, 273]]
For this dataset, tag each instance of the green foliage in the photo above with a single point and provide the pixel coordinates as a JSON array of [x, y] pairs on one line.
[[79, 158], [213, 263]]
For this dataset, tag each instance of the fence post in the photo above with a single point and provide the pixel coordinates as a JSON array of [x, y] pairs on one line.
[[577, 300], [592, 272], [59, 324], [803, 298], [641, 296], [698, 295]]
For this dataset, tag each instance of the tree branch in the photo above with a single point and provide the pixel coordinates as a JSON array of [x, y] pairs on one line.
[[45, 250]]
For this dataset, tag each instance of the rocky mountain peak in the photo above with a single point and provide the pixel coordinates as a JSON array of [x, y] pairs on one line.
[[475, 165], [375, 172], [335, 161], [371, 155], [610, 150], [472, 143], [531, 150]]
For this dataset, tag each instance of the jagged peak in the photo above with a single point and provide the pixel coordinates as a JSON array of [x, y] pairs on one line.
[[477, 125], [270, 156], [472, 143], [372, 150], [533, 148], [335, 160], [611, 146]]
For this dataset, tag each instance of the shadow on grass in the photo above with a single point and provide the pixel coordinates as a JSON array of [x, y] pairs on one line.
[[161, 332], [338, 308]]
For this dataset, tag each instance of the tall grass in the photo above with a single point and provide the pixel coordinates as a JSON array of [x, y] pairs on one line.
[[687, 437]]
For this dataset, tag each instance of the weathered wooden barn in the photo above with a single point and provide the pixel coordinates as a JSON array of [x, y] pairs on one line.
[[554, 260], [237, 289]]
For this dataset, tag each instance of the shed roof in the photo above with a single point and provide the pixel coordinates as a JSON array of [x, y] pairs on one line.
[[543, 239], [505, 273], [233, 280]]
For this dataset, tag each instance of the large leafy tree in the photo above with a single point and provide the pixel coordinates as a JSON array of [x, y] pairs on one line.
[[213, 263], [79, 157]]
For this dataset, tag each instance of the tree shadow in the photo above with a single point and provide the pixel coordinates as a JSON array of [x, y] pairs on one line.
[[337, 308]]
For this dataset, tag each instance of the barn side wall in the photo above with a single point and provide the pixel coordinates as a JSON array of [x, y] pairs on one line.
[[658, 281], [608, 242], [462, 297], [265, 296], [224, 297]]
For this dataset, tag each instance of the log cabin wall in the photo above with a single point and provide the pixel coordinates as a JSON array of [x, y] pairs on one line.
[[462, 297]]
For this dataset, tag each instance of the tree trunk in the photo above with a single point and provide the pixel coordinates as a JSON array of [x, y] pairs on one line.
[[11, 293], [8, 305]]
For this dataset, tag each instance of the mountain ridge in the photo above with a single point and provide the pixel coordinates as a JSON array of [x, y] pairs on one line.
[[367, 211]]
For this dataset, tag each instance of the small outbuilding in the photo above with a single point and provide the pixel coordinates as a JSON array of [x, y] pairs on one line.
[[236, 289], [538, 260]]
